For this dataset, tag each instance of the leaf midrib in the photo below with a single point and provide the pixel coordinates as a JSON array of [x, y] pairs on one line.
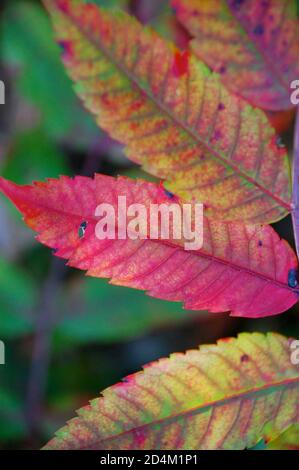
[[198, 409], [176, 120], [198, 253]]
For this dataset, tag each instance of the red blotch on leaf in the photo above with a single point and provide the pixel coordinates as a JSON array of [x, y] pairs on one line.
[[63, 5], [137, 105], [140, 438], [281, 120], [245, 358], [181, 63]]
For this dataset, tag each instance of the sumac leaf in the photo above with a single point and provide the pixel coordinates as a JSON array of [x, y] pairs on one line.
[[176, 118], [245, 269], [224, 396], [253, 44]]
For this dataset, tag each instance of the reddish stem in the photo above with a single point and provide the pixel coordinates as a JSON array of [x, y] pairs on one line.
[[295, 197]]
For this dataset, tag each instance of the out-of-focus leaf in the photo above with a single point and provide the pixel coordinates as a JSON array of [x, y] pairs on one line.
[[33, 156], [222, 396], [18, 297], [94, 310], [11, 416], [14, 237], [27, 44]]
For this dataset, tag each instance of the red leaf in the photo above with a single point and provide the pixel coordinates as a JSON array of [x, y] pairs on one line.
[[241, 268]]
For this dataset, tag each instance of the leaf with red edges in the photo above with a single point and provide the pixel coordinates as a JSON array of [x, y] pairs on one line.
[[224, 396], [175, 117], [245, 269], [253, 44]]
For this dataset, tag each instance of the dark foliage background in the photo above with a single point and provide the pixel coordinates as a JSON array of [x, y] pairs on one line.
[[67, 336]]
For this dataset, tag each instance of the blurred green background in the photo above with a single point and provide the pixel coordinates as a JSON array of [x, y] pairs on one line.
[[68, 337]]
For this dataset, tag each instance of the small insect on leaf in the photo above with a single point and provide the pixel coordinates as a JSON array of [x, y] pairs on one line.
[[82, 229]]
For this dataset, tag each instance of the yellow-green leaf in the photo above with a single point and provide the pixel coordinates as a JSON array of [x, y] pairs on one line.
[[225, 396], [175, 117]]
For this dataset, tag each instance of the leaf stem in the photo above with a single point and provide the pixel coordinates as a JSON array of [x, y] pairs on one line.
[[295, 194], [46, 320]]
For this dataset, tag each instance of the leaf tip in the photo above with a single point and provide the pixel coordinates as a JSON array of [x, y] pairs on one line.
[[6, 186]]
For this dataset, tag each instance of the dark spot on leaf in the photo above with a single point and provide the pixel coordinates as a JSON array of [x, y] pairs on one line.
[[221, 107], [217, 135], [237, 3], [260, 243], [67, 49], [279, 143], [62, 45], [292, 278], [169, 194], [245, 358], [222, 69], [82, 229], [259, 30]]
